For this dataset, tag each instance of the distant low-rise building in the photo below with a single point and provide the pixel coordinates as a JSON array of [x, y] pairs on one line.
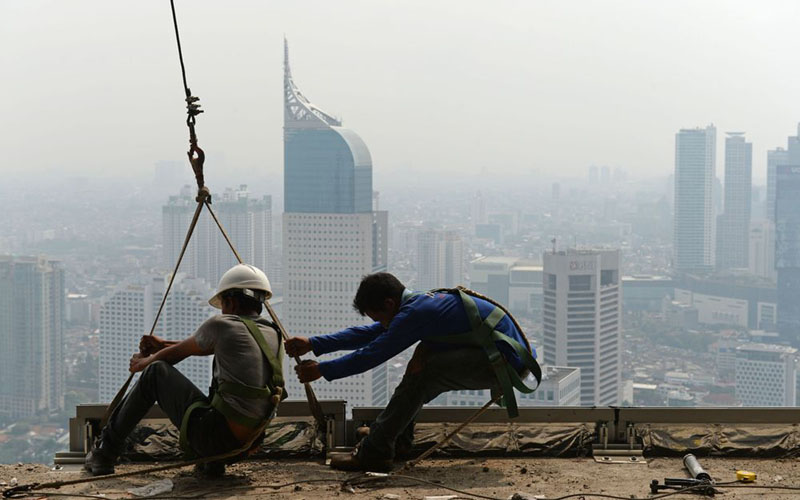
[[561, 386], [514, 282], [645, 293], [744, 301]]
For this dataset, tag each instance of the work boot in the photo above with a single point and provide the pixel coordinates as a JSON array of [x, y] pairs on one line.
[[100, 460], [403, 449], [351, 462], [209, 470]]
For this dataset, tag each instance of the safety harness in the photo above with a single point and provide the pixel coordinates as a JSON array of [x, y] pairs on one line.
[[274, 391], [484, 334]]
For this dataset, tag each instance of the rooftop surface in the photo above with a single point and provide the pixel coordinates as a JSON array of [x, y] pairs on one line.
[[478, 477]]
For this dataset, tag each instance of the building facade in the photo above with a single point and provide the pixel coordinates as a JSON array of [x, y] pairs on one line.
[[762, 249], [128, 313], [247, 220], [440, 259], [332, 236], [766, 375], [581, 319], [787, 252], [695, 160], [733, 226], [32, 309]]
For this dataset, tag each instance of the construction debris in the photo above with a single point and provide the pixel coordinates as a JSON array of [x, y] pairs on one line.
[[156, 488]]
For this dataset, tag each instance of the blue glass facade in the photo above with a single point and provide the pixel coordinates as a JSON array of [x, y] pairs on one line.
[[326, 170], [787, 251]]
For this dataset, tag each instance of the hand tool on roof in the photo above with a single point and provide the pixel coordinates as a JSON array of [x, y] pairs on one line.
[[701, 481]]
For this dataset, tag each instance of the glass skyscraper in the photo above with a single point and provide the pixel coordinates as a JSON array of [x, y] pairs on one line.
[[331, 235], [787, 251]]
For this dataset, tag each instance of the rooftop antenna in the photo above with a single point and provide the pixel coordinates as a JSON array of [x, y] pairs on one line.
[[553, 241]]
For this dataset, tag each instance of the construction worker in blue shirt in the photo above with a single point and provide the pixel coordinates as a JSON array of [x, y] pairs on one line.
[[465, 343]]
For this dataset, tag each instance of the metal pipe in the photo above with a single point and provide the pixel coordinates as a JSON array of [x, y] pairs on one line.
[[694, 468]]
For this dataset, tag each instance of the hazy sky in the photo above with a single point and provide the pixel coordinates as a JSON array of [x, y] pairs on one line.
[[93, 86]]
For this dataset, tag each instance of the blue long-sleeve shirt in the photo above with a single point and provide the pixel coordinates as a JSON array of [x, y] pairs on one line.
[[421, 317]]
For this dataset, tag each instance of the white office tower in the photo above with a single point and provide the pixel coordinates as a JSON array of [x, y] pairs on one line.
[[332, 237], [581, 319], [695, 160], [766, 375], [762, 249], [128, 313], [733, 226], [32, 303], [247, 220], [440, 259]]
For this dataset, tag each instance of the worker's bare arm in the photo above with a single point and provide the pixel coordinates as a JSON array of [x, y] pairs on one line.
[[150, 344], [172, 354]]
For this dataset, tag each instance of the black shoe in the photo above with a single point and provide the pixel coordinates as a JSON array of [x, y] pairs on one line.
[[100, 461], [209, 470], [351, 462]]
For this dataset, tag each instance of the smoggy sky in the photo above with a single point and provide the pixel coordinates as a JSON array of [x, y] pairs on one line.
[[93, 86]]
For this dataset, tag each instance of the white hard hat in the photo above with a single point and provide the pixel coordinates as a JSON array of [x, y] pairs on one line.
[[244, 277]]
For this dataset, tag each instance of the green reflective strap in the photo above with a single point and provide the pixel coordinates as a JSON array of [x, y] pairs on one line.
[[244, 391], [525, 357], [275, 364], [184, 430], [281, 356], [472, 310], [232, 414]]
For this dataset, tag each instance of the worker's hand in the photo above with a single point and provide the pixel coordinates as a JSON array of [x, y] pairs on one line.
[[150, 344], [297, 346], [307, 371], [139, 362]]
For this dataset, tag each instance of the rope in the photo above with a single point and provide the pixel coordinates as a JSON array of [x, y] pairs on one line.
[[313, 403], [196, 155], [455, 431], [201, 198]]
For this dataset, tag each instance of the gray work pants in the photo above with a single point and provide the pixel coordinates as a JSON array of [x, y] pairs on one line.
[[440, 371], [208, 430]]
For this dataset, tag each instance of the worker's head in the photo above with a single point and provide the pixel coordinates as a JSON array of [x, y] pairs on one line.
[[379, 296], [242, 290]]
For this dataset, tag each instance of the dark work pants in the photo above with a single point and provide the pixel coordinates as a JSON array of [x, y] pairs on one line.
[[160, 382], [456, 369]]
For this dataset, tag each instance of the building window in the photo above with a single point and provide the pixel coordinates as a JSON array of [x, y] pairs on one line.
[[580, 283], [551, 281]]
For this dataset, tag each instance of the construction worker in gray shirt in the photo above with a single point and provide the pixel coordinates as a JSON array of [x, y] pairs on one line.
[[247, 379]]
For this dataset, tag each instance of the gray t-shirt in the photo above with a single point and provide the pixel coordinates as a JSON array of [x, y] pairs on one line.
[[238, 357]]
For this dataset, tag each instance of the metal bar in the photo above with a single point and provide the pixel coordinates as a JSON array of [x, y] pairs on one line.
[[651, 415]]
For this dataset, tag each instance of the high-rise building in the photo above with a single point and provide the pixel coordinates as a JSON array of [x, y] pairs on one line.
[[331, 235], [32, 303], [247, 220], [582, 317], [128, 313], [733, 226], [762, 249], [775, 157], [766, 375], [787, 251], [695, 160], [440, 259]]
